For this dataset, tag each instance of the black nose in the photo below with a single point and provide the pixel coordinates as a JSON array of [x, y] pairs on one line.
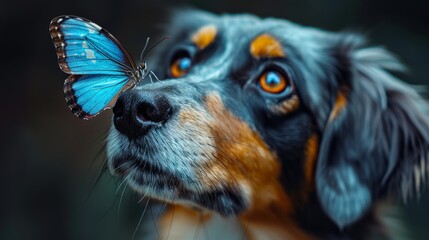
[[135, 112]]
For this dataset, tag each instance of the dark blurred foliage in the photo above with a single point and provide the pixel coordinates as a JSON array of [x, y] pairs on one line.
[[49, 157]]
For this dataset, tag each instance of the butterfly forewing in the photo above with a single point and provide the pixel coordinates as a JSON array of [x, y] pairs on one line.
[[101, 67], [85, 48]]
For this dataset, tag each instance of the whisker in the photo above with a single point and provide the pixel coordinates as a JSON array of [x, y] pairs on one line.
[[120, 199], [141, 199], [102, 165], [161, 209], [141, 217], [144, 195], [246, 228], [200, 220], [153, 220], [171, 222], [204, 230], [123, 181], [100, 170], [156, 219]]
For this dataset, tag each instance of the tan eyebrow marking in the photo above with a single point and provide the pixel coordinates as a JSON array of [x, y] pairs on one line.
[[204, 36], [266, 46]]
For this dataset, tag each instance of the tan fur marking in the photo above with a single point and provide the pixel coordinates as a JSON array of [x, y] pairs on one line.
[[287, 106], [266, 46], [340, 103], [312, 150], [180, 222], [311, 154], [241, 153], [204, 36], [188, 115], [243, 160], [267, 230]]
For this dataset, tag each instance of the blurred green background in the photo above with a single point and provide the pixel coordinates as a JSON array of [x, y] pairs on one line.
[[49, 157]]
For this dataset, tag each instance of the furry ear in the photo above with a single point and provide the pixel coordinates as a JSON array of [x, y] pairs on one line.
[[376, 137]]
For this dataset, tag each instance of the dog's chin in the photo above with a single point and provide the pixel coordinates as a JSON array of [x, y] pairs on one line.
[[154, 182]]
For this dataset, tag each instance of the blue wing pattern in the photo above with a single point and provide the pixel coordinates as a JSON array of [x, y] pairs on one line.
[[85, 48], [87, 95], [101, 68]]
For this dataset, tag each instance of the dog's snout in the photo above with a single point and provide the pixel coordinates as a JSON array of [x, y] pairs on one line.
[[135, 112]]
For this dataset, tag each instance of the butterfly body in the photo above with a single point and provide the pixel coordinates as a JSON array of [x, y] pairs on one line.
[[99, 65]]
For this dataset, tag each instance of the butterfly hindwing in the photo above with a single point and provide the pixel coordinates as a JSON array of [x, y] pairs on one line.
[[83, 47], [87, 95]]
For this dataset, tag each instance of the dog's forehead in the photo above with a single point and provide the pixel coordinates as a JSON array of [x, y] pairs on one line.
[[239, 27], [242, 29]]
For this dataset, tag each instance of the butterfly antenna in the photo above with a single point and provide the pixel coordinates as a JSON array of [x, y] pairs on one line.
[[142, 55], [156, 44]]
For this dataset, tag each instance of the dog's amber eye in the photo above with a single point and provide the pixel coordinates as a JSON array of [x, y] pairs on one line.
[[273, 82], [180, 66]]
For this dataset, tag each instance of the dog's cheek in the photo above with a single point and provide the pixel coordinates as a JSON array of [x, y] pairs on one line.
[[241, 160]]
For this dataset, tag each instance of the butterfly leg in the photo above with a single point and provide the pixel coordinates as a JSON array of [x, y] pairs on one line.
[[154, 75], [150, 77]]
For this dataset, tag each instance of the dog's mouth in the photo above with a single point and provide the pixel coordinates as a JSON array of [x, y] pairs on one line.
[[125, 164], [143, 175], [156, 182]]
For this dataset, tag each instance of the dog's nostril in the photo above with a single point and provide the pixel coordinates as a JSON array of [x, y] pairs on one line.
[[145, 111], [156, 112]]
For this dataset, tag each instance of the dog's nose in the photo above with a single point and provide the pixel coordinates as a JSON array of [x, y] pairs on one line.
[[135, 112]]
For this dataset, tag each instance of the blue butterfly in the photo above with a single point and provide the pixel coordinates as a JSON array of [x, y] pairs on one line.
[[99, 65]]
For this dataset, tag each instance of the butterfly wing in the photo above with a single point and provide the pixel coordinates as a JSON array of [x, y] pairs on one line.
[[101, 67], [88, 95], [83, 47]]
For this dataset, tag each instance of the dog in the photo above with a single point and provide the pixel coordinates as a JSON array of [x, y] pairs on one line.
[[265, 129]]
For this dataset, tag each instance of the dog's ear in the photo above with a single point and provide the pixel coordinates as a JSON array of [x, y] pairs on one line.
[[376, 136]]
